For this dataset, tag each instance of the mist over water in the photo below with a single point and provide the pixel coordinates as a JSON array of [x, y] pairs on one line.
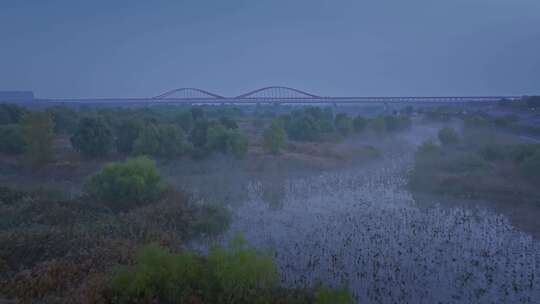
[[362, 229]]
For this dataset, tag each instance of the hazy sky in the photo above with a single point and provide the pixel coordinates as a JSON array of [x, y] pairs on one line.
[[69, 48]]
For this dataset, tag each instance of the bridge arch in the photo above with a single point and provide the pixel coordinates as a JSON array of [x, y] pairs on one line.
[[189, 93], [277, 92]]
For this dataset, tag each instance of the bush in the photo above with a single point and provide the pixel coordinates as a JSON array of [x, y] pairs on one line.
[[165, 140], [11, 139], [226, 140], [333, 296], [159, 275], [378, 125], [465, 163], [308, 124], [123, 186], [127, 131], [198, 114], [38, 134], [343, 124], [236, 274], [211, 220], [477, 122], [228, 123], [448, 136], [241, 272], [395, 123], [198, 135], [65, 119], [185, 120], [11, 114], [93, 137], [359, 124], [427, 150], [530, 167], [275, 137]]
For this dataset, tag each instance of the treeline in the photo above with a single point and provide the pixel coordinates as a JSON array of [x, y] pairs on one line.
[[320, 124], [166, 133], [478, 162]]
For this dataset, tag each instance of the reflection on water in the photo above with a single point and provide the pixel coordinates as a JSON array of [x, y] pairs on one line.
[[361, 228]]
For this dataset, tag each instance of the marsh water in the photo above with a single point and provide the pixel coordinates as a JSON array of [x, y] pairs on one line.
[[361, 228]]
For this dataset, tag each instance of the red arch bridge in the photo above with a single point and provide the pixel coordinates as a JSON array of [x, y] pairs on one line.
[[278, 95]]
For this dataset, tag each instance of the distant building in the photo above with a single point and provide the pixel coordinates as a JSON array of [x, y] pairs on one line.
[[16, 96]]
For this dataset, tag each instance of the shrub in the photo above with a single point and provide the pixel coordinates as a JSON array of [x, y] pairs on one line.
[[226, 140], [165, 140], [126, 185], [533, 102], [448, 136], [477, 121], [185, 120], [238, 143], [240, 272], [522, 152], [327, 295], [304, 128], [465, 163], [198, 135], [308, 124], [228, 123], [65, 119], [158, 275], [395, 123], [427, 150], [378, 125], [530, 166], [495, 151], [11, 114], [93, 137], [11, 139], [38, 134], [127, 131], [359, 123], [236, 274], [172, 142], [211, 220], [197, 114], [274, 137], [343, 124]]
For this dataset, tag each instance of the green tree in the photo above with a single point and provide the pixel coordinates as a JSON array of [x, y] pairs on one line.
[[172, 142], [197, 113], [226, 140], [448, 136], [198, 135], [359, 124], [38, 134], [185, 120], [65, 119], [238, 144], [378, 124], [327, 295], [275, 137], [228, 122], [126, 185], [127, 131], [164, 140], [11, 139], [530, 167], [343, 124], [11, 114], [241, 272], [93, 138]]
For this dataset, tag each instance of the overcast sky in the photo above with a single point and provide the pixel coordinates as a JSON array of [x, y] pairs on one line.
[[69, 48]]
